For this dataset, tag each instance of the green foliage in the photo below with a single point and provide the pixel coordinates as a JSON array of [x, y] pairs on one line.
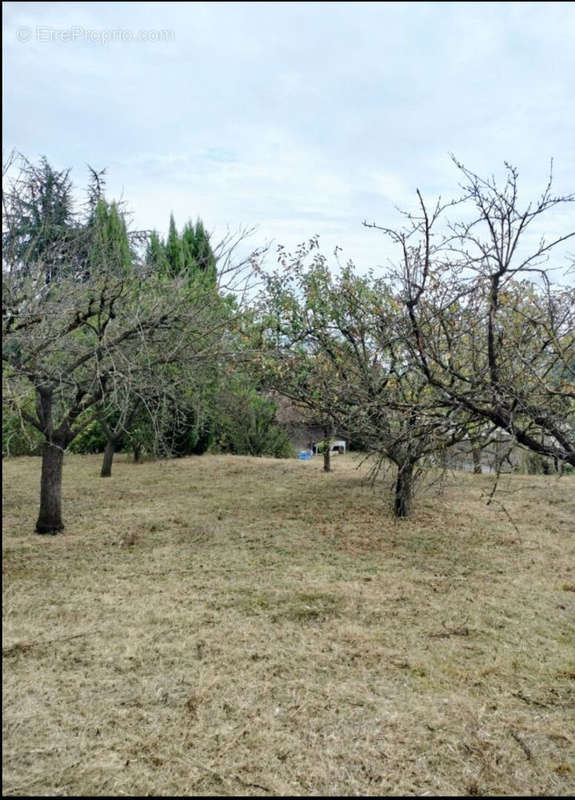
[[247, 425], [19, 438], [195, 432], [110, 246], [189, 254], [142, 437], [199, 258], [91, 440], [40, 219], [156, 255], [189, 248], [174, 252], [204, 436]]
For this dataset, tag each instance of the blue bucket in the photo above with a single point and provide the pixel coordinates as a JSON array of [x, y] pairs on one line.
[[304, 455]]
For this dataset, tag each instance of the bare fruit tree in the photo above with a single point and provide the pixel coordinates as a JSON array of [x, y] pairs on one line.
[[336, 345], [85, 326], [66, 347], [486, 324]]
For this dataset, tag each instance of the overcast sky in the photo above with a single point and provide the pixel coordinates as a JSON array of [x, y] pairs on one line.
[[298, 118]]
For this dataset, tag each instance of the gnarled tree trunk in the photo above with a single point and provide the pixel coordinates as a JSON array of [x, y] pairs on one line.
[[50, 517], [106, 470], [403, 489]]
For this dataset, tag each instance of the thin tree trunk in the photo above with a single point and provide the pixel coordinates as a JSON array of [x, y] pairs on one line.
[[403, 489], [137, 453], [106, 471], [327, 450], [476, 455], [50, 518]]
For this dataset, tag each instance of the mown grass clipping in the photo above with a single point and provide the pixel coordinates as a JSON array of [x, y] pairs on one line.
[[240, 626]]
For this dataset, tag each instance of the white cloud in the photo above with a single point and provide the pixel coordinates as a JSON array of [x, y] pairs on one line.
[[299, 118]]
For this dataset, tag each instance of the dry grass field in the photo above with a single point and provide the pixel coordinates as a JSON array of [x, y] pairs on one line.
[[241, 626]]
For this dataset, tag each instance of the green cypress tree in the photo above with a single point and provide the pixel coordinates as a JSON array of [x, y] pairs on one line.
[[174, 253], [189, 249], [120, 253], [156, 255], [198, 257], [110, 245], [203, 253], [189, 254]]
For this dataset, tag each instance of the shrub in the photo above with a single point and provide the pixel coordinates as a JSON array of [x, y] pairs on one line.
[[91, 440], [247, 425], [19, 438]]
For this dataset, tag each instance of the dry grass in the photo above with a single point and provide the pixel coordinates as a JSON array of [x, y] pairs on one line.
[[239, 626]]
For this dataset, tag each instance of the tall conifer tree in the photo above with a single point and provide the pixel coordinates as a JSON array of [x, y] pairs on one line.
[[110, 246], [204, 254], [174, 254], [156, 255]]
